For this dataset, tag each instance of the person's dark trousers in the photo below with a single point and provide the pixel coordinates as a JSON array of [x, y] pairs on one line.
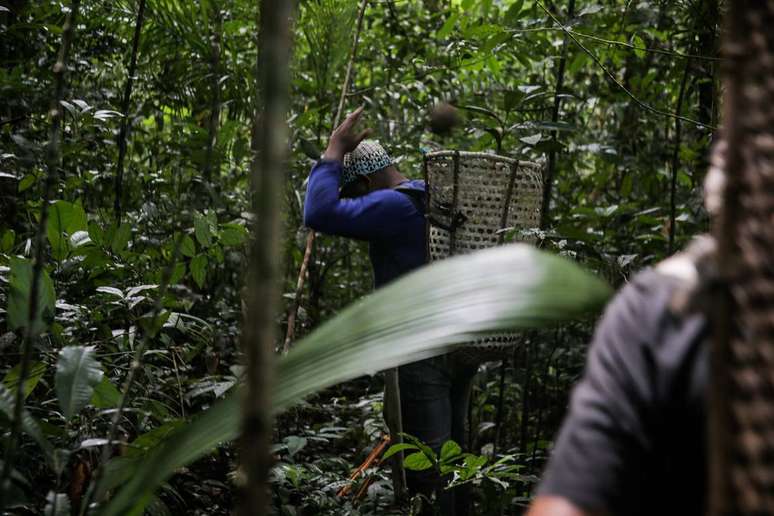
[[434, 404]]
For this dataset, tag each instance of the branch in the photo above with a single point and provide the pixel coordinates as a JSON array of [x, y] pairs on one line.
[[671, 53], [612, 77]]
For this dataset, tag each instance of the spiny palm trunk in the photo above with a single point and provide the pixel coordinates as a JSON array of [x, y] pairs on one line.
[[741, 435]]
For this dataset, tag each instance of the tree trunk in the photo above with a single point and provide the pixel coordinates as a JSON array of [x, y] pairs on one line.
[[258, 328], [211, 161], [122, 135], [551, 166], [676, 162]]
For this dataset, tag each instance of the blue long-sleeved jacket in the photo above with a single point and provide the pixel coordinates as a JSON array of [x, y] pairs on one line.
[[387, 219]]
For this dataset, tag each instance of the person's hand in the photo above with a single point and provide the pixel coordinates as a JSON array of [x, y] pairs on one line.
[[345, 138]]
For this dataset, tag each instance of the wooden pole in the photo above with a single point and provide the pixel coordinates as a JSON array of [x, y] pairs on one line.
[[122, 134], [293, 312], [394, 419], [258, 327], [548, 181]]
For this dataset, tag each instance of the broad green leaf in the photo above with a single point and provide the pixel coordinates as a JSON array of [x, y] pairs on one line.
[[448, 26], [20, 286], [233, 234], [121, 238], [424, 314], [64, 220], [150, 439], [449, 450], [533, 139], [6, 243], [295, 444], [177, 274], [514, 12], [202, 230], [26, 182], [35, 373], [417, 461], [77, 373], [187, 246], [199, 269], [96, 234], [105, 395], [397, 448]]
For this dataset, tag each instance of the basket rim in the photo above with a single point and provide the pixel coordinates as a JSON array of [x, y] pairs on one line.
[[485, 155]]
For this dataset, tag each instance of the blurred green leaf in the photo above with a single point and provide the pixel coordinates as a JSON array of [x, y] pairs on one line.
[[202, 230], [417, 461], [199, 269], [77, 373], [34, 374], [19, 297], [121, 238], [187, 247], [421, 315], [105, 395]]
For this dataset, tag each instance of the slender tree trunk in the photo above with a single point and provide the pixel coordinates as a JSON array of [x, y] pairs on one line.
[[551, 166], [53, 158], [676, 161], [210, 161], [258, 328], [122, 135]]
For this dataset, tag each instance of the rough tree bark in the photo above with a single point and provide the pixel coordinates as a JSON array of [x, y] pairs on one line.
[[122, 134], [258, 328]]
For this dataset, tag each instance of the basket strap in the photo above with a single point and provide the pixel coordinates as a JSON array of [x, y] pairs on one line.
[[507, 201], [455, 199], [426, 177]]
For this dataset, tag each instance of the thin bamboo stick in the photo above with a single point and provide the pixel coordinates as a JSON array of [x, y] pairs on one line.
[[310, 239]]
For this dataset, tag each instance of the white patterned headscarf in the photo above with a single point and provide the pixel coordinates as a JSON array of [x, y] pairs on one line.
[[367, 158]]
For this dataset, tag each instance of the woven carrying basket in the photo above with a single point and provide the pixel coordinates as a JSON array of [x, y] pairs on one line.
[[474, 200]]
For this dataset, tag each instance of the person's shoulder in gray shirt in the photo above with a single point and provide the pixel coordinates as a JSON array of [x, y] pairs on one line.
[[633, 440]]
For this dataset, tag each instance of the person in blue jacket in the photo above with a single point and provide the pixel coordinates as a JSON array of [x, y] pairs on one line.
[[356, 191]]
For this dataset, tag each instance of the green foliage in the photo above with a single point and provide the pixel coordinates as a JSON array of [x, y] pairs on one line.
[[20, 292], [399, 324], [35, 373], [77, 374]]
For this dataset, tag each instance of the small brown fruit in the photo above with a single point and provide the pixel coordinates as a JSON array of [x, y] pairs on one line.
[[443, 118]]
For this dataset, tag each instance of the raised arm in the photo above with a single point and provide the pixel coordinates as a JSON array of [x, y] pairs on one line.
[[375, 215], [379, 214]]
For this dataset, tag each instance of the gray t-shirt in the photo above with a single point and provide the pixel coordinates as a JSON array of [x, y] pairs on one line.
[[633, 441]]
